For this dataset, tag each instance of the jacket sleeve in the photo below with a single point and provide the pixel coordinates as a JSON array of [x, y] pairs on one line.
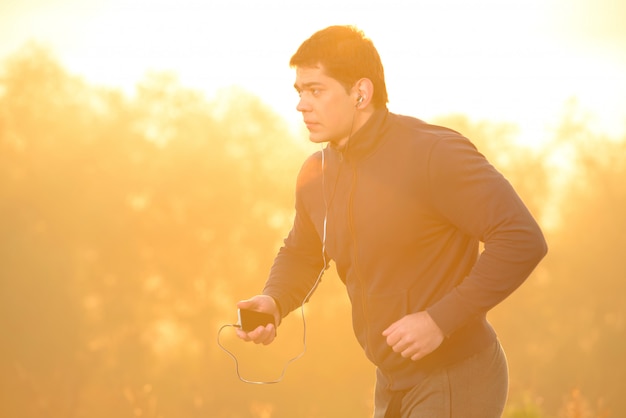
[[472, 195], [299, 261]]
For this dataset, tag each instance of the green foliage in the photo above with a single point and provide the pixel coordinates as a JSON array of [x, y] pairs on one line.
[[526, 408], [131, 226]]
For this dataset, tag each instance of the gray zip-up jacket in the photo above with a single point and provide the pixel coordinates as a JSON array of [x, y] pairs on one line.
[[406, 205]]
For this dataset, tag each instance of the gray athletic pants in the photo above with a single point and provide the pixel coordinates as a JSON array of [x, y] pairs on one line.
[[476, 387]]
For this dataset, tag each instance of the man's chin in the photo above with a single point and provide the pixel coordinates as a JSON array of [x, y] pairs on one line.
[[317, 139]]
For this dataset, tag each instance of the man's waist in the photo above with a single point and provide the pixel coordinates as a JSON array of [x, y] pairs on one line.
[[401, 373]]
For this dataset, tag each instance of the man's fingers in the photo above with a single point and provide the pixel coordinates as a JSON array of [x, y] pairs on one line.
[[245, 304], [260, 335], [243, 335], [390, 329], [401, 346]]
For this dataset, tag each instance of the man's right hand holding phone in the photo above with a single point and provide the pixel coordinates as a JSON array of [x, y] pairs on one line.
[[262, 334]]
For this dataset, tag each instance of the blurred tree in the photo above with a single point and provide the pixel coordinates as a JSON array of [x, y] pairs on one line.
[[586, 281], [565, 327], [38, 311], [130, 227]]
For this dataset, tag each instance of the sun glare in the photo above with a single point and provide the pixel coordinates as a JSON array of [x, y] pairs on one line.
[[507, 61]]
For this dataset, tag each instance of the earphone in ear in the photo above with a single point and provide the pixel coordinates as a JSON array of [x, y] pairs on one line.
[[359, 100]]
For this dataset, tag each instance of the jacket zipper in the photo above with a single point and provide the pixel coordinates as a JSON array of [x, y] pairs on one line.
[[357, 268]]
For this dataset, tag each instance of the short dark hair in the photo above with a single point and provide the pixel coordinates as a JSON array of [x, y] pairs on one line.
[[347, 56]]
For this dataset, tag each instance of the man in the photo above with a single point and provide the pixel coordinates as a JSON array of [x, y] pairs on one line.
[[400, 206]]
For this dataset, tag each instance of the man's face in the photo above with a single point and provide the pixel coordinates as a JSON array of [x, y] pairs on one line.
[[327, 109]]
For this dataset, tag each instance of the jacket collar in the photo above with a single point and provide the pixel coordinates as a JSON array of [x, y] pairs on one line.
[[366, 139]]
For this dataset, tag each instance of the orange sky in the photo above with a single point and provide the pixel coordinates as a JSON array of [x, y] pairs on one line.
[[505, 60]]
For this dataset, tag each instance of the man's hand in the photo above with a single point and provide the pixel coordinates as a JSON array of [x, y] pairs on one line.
[[414, 336], [262, 334]]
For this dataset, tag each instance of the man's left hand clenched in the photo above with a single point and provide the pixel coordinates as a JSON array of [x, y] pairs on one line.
[[414, 336]]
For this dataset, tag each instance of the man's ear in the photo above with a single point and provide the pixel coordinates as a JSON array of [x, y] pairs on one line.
[[363, 91]]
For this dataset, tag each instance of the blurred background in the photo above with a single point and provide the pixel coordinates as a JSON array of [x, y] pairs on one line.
[[148, 153]]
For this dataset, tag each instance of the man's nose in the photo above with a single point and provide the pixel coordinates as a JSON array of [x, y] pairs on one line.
[[303, 105]]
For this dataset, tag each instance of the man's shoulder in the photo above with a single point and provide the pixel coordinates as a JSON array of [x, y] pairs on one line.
[[418, 128], [311, 168], [416, 134], [313, 161]]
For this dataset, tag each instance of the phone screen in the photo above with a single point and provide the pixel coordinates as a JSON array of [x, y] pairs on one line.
[[250, 320]]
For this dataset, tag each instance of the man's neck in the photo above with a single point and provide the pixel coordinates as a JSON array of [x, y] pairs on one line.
[[360, 118]]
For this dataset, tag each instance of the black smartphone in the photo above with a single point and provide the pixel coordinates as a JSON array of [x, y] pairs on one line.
[[250, 320]]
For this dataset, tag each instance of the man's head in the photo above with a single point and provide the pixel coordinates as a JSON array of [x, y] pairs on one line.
[[340, 80], [346, 55]]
